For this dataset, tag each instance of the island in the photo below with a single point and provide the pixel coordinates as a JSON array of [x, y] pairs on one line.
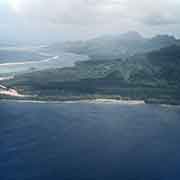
[[151, 77]]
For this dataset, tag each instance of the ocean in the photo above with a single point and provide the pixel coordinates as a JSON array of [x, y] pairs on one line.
[[89, 141]]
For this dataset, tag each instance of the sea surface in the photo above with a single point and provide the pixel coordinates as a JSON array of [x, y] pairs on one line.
[[89, 141]]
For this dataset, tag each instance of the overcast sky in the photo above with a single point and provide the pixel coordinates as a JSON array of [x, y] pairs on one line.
[[50, 20]]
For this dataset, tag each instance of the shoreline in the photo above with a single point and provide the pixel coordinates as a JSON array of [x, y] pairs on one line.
[[91, 101], [29, 62]]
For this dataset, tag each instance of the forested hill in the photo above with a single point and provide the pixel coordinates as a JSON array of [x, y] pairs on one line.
[[151, 76]]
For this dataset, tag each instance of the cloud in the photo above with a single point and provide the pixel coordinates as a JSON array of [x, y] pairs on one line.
[[99, 11], [82, 19], [160, 20]]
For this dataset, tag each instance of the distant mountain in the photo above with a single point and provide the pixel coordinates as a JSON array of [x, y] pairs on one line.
[[124, 38], [116, 46]]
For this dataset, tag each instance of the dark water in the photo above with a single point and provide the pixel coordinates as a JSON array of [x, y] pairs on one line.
[[89, 141]]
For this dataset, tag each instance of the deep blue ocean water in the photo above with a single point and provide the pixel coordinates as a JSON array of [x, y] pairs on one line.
[[83, 141]]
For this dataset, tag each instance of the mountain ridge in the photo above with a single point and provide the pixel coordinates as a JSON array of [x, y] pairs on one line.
[[116, 46]]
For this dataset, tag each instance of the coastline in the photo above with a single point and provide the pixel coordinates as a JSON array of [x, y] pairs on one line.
[[29, 62], [4, 91], [89, 100], [92, 101], [8, 94]]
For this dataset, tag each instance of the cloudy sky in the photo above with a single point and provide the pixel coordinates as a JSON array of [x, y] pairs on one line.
[[50, 20]]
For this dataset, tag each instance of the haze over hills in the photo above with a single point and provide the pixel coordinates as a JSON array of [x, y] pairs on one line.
[[116, 46]]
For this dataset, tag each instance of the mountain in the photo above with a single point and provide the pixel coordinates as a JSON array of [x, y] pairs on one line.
[[152, 76], [116, 46]]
